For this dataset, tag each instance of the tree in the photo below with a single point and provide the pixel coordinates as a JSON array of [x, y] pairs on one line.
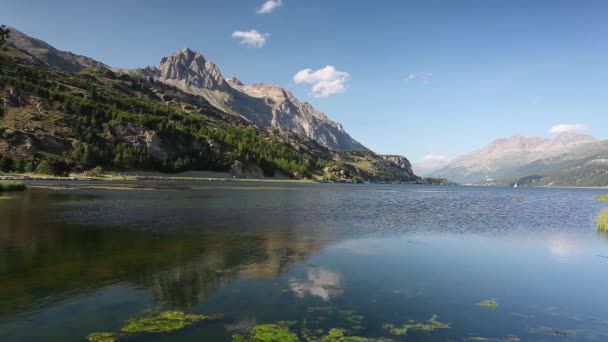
[[55, 167], [44, 168], [4, 34]]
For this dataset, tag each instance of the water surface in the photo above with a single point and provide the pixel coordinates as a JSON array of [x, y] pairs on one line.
[[81, 259]]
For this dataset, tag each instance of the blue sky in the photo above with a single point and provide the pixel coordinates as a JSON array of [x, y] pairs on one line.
[[418, 77]]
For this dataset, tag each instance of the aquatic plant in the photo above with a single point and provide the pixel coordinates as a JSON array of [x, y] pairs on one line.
[[12, 186], [431, 325], [602, 217], [279, 331], [602, 220], [102, 337], [602, 197], [339, 335], [488, 303], [490, 339], [165, 321]]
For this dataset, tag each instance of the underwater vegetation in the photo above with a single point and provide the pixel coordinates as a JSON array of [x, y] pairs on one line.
[[322, 324], [163, 322], [326, 318], [279, 331], [491, 339], [431, 325], [12, 186], [488, 303], [102, 337]]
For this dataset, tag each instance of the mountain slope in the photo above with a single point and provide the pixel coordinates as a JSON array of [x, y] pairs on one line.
[[45, 54], [263, 104], [505, 157], [52, 120], [586, 165]]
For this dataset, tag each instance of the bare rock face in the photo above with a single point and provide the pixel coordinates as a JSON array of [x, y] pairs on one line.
[[267, 105], [155, 145], [400, 161], [248, 171], [192, 68]]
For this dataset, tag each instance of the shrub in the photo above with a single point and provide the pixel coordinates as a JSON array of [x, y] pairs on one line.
[[12, 186]]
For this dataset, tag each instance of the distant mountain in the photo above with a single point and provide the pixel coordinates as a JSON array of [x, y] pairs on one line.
[[585, 165], [266, 105], [43, 53], [428, 167], [507, 158]]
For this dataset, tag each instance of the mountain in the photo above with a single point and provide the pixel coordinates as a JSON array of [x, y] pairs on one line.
[[266, 105], [506, 158], [58, 115], [585, 165], [43, 53], [429, 166]]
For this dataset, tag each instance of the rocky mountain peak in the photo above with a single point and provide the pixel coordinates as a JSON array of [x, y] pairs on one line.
[[265, 104], [191, 68]]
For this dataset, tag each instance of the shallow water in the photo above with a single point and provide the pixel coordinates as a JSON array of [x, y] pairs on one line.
[[81, 259]]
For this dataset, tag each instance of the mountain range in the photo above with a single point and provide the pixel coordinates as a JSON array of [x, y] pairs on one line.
[[177, 116], [570, 159]]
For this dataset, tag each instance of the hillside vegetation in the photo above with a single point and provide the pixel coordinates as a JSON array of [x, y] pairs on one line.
[[57, 122]]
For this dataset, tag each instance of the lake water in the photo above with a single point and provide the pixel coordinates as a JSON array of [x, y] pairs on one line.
[[85, 259]]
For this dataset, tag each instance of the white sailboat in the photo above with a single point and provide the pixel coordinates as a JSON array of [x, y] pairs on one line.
[[515, 185]]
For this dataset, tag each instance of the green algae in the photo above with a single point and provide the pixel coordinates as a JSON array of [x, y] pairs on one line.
[[488, 303], [165, 321], [491, 339], [162, 322], [282, 331], [102, 337], [431, 325], [339, 335], [279, 331], [320, 321]]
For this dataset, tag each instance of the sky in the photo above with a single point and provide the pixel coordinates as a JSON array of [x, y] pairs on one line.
[[425, 79]]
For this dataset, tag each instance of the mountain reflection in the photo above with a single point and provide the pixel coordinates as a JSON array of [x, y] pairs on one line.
[[42, 257]]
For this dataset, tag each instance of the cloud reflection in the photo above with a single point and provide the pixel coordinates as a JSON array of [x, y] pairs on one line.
[[321, 283]]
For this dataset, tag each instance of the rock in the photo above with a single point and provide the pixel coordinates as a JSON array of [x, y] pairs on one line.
[[155, 145], [246, 171], [401, 162]]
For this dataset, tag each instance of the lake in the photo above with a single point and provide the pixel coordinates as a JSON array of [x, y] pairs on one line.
[[305, 261]]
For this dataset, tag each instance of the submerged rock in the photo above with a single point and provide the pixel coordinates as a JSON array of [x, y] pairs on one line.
[[431, 325], [488, 303]]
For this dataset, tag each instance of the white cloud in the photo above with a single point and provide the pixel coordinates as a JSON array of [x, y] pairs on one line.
[[251, 38], [563, 128], [424, 77], [325, 81], [269, 6], [437, 158]]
